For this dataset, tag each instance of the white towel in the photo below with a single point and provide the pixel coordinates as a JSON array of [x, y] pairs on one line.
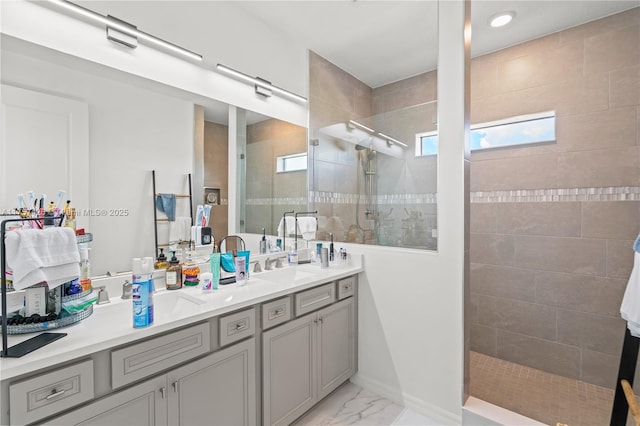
[[630, 308], [291, 226], [307, 227], [180, 230], [36, 255]]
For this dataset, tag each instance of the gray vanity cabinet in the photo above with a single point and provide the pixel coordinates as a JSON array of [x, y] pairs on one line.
[[142, 404], [219, 389], [305, 359]]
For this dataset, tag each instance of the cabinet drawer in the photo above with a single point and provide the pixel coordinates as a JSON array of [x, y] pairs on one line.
[[49, 393], [140, 360], [346, 287], [237, 326], [276, 312], [316, 298]]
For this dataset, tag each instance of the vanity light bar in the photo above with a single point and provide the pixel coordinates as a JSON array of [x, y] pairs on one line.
[[259, 82], [129, 30], [362, 126], [390, 139]]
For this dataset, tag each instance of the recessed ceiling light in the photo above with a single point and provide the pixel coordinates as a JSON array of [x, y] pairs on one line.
[[501, 19]]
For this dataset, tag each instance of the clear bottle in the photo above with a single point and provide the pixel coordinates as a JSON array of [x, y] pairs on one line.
[[85, 269], [173, 274]]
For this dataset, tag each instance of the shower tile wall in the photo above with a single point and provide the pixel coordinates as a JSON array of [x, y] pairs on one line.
[[269, 194], [552, 226], [216, 151]]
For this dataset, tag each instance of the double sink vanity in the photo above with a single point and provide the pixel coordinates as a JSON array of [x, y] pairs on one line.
[[261, 353]]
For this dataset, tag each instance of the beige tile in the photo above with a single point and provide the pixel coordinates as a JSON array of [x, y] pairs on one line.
[[619, 220], [553, 219], [525, 318], [515, 173], [483, 339], [601, 26], [473, 309], [588, 331], [574, 255], [599, 368], [548, 42], [599, 168], [483, 217], [538, 353], [542, 66], [612, 50], [484, 77], [619, 258], [625, 87], [491, 107], [597, 295], [577, 96], [604, 129], [500, 281], [492, 249]]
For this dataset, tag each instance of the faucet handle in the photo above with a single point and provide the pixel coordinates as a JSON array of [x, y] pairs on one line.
[[256, 267], [127, 290], [103, 296]]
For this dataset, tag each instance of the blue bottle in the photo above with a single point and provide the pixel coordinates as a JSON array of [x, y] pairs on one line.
[[142, 295]]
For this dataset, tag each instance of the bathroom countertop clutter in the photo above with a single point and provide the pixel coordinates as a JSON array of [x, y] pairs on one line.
[[111, 324]]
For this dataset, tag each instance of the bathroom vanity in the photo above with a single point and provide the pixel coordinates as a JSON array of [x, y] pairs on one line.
[[262, 353]]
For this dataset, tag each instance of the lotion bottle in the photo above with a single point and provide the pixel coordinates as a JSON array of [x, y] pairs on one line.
[[173, 274]]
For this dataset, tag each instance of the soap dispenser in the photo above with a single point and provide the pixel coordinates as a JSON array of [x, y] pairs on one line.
[[161, 261], [263, 243], [173, 275]]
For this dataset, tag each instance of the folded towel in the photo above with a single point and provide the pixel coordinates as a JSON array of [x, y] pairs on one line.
[[180, 230], [166, 203], [50, 255], [290, 226], [307, 227], [630, 308]]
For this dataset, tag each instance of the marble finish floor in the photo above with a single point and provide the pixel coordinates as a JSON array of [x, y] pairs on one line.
[[352, 405]]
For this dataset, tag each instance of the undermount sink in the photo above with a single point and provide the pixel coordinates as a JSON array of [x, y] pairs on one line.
[[286, 275], [169, 305]]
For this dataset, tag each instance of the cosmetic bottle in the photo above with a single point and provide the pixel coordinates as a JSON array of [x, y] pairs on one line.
[[173, 275], [214, 263], [240, 262], [263, 243], [293, 256], [85, 269], [190, 271]]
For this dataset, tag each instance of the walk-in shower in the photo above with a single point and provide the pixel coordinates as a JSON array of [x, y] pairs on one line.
[[365, 194]]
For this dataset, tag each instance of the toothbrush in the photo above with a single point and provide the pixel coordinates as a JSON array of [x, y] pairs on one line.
[[61, 195]]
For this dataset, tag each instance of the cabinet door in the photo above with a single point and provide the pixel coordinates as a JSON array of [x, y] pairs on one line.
[[336, 345], [140, 405], [219, 389], [288, 372]]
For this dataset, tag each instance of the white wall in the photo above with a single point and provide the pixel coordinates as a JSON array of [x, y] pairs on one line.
[[131, 131], [44, 26]]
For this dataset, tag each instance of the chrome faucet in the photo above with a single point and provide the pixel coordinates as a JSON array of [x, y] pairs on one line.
[[269, 262], [127, 290], [256, 267]]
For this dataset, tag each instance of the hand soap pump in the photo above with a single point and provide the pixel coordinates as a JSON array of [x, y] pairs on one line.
[[263, 243], [173, 275], [161, 261]]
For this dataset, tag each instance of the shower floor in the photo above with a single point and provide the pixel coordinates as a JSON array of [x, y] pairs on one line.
[[539, 395]]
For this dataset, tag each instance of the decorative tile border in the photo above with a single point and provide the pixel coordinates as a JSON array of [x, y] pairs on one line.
[[612, 193]]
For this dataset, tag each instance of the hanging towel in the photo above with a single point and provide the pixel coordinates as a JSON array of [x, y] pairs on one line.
[[291, 226], [166, 203], [180, 230], [307, 227], [49, 255], [630, 308]]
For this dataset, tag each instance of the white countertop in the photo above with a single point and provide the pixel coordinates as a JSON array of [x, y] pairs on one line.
[[111, 325]]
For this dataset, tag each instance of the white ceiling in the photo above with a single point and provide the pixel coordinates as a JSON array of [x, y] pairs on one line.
[[380, 42]]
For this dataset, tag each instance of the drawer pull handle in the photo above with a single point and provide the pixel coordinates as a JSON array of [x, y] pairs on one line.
[[175, 386], [55, 394], [162, 391], [241, 326], [346, 287], [278, 313], [321, 320]]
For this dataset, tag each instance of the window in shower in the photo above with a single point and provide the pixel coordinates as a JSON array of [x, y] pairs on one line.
[[291, 163], [513, 131]]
